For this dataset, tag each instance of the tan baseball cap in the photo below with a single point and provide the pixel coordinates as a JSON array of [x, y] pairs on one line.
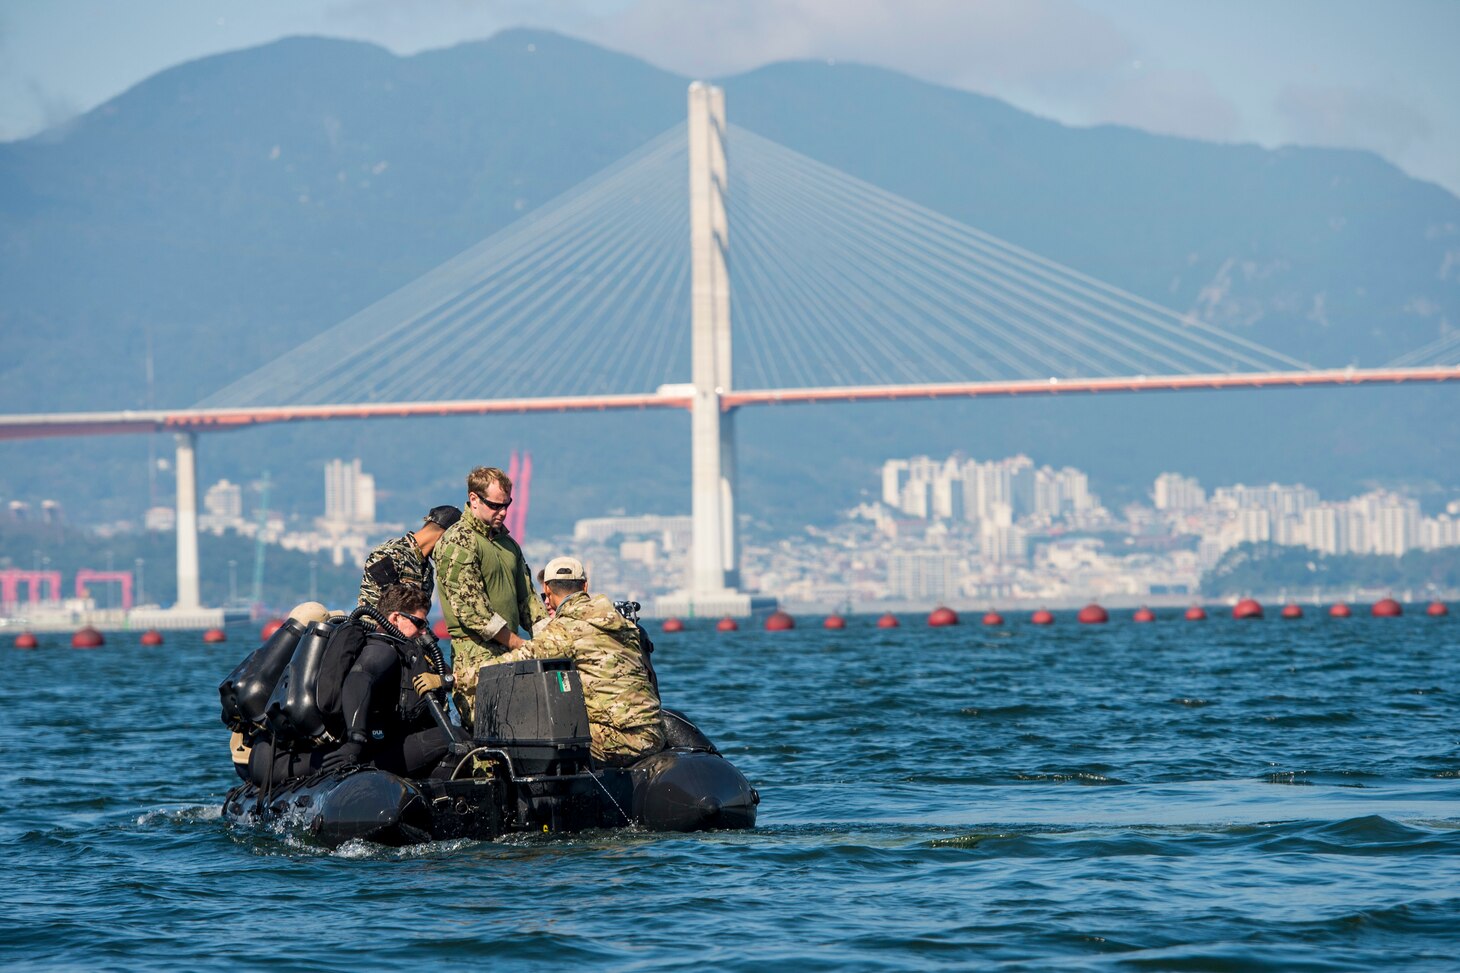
[[564, 569]]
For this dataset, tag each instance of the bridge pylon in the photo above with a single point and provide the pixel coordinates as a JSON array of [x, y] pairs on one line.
[[714, 580]]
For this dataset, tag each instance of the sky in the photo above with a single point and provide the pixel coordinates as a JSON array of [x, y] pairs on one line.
[[1343, 73]]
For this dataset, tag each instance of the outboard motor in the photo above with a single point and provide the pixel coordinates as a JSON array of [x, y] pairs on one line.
[[292, 712], [533, 711], [245, 692]]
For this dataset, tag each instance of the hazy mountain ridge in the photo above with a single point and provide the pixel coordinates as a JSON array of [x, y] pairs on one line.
[[229, 208]]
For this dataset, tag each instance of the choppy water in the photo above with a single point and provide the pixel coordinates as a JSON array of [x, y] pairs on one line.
[[1172, 796]]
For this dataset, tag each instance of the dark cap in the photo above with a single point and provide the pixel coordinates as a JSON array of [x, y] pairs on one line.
[[443, 516]]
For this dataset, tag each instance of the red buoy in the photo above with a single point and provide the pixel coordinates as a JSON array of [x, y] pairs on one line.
[[888, 620], [834, 621], [1143, 614], [1291, 610], [215, 635], [1093, 614], [1042, 617], [1437, 609], [26, 640], [1196, 613], [779, 621], [1386, 608], [270, 627], [727, 624], [87, 638], [151, 637], [993, 618], [440, 630], [673, 625], [1247, 608], [942, 616], [1340, 610]]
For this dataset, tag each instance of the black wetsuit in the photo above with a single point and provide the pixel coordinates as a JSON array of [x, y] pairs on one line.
[[381, 710]]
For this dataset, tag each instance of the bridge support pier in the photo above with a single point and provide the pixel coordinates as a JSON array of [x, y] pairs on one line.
[[187, 521]]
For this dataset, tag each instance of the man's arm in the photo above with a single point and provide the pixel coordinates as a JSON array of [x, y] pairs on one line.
[[460, 580], [536, 612], [380, 572], [552, 641]]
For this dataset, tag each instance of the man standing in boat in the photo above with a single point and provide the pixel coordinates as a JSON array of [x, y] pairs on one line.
[[484, 583], [624, 720], [406, 560]]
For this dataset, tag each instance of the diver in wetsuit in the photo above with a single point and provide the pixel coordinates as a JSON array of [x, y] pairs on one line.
[[383, 717], [383, 699]]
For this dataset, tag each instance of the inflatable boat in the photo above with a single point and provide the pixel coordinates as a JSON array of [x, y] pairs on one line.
[[527, 768]]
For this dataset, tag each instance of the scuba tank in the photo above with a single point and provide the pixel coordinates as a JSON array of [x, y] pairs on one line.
[[292, 713], [245, 692]]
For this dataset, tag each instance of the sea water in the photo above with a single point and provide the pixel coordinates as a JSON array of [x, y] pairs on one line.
[[1220, 795]]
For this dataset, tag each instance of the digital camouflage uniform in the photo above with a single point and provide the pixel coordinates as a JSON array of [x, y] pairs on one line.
[[623, 708], [485, 586], [397, 561]]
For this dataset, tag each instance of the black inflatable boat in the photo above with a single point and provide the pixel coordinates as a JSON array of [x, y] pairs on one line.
[[527, 769]]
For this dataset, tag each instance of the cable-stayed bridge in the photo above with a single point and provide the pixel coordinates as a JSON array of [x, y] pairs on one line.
[[840, 292]]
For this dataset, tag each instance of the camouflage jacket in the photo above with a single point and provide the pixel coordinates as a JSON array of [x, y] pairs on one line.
[[485, 586], [397, 561], [605, 647]]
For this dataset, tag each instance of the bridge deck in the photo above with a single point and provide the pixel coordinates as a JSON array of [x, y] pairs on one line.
[[48, 425]]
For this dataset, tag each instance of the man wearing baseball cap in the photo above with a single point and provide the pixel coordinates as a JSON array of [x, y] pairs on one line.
[[406, 560], [623, 708]]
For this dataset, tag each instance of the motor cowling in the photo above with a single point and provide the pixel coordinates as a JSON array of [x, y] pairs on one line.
[[534, 712]]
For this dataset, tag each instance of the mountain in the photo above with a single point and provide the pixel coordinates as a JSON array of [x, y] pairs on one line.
[[222, 211]]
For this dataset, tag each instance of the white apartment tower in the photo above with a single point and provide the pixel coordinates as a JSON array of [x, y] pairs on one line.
[[349, 493]]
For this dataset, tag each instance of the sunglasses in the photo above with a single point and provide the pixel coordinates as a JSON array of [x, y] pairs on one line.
[[493, 504], [418, 622]]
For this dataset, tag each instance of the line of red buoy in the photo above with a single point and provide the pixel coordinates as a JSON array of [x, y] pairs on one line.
[[89, 637]]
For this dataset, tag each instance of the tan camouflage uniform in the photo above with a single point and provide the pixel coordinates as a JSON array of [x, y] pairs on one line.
[[397, 561], [623, 709], [485, 586]]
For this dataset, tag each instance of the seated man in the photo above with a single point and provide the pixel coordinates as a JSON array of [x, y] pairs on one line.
[[382, 700], [382, 708], [622, 704]]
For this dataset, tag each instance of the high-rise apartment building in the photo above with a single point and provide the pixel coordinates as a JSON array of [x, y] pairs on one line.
[[922, 575], [1176, 492], [349, 493]]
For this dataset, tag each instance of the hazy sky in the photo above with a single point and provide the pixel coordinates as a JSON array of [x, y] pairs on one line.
[[1352, 73]]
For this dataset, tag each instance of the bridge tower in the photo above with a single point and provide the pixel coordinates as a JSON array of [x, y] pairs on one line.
[[715, 557], [713, 450]]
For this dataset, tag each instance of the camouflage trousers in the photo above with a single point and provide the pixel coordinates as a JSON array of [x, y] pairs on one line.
[[618, 748]]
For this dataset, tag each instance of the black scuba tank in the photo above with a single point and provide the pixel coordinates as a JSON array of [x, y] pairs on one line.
[[293, 714], [245, 692]]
